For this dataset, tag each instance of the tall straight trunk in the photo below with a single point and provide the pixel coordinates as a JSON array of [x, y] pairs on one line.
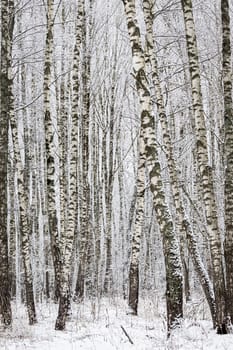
[[63, 112], [5, 306], [137, 231], [183, 225], [205, 171], [68, 239], [97, 204], [228, 145], [85, 203], [50, 151], [109, 180], [174, 280], [122, 231], [12, 229], [24, 224]]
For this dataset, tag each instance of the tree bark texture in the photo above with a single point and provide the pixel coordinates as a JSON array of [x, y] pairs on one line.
[[5, 306], [205, 171], [68, 239], [174, 279], [228, 153], [183, 225], [50, 151], [137, 231]]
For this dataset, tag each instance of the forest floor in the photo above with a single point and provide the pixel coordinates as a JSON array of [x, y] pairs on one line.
[[98, 326]]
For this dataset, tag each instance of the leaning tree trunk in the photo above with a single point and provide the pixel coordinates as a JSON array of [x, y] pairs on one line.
[[174, 280], [182, 223], [67, 240], [206, 172], [5, 306], [228, 123]]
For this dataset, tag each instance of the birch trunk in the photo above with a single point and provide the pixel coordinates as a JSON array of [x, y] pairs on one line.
[[174, 280], [228, 123], [183, 225], [5, 306], [21, 176], [85, 149], [137, 231], [63, 138], [68, 238], [109, 179], [50, 151], [206, 172]]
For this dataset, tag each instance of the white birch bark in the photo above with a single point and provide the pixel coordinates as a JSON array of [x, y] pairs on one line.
[[182, 223], [174, 290], [49, 149], [68, 238], [137, 230], [228, 153], [84, 149], [206, 172], [5, 306], [23, 190]]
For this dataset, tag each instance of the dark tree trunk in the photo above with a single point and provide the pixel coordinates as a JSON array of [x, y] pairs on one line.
[[228, 145]]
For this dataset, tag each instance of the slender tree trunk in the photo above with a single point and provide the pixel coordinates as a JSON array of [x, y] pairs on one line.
[[228, 123], [206, 172], [137, 232], [174, 281], [12, 229], [109, 180], [50, 151], [69, 232], [85, 203], [22, 189], [5, 306]]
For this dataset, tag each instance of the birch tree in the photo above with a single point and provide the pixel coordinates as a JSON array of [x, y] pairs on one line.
[[137, 231], [67, 240], [205, 170], [7, 21], [228, 153], [174, 290], [85, 224], [183, 225], [50, 147]]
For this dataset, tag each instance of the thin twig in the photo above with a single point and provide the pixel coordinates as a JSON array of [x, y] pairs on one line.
[[130, 340]]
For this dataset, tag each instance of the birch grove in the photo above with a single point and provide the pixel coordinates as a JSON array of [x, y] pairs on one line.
[[116, 157]]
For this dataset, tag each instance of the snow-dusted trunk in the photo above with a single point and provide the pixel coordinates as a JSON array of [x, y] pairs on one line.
[[137, 230], [109, 179], [63, 135], [85, 149], [183, 225], [49, 149], [22, 194], [71, 223], [228, 148], [174, 280], [5, 307], [205, 171], [97, 204], [122, 231], [12, 229]]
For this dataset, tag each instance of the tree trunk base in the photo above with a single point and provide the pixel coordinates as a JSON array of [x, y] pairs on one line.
[[62, 313], [226, 327]]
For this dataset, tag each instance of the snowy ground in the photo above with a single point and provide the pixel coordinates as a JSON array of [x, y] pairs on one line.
[[98, 326]]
